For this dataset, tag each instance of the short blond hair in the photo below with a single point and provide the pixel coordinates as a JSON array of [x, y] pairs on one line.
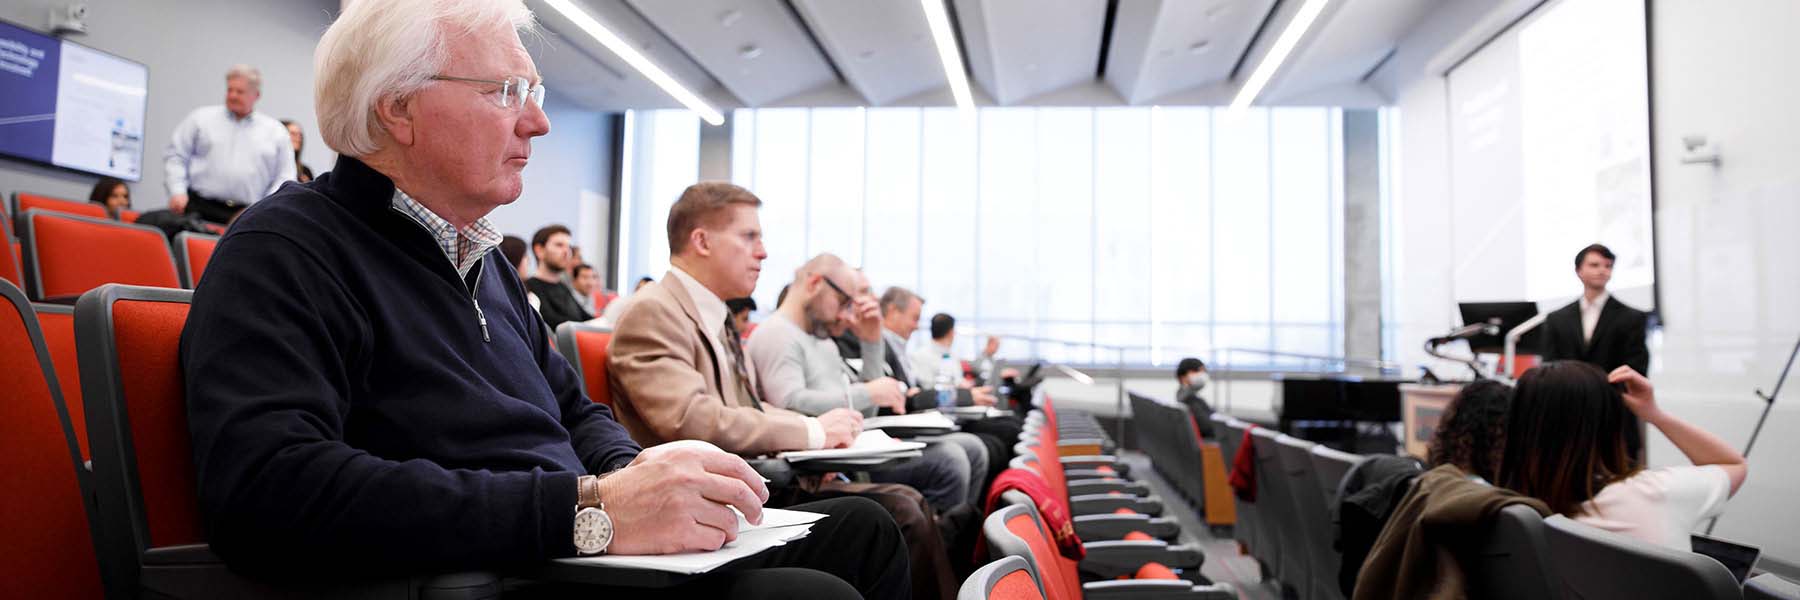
[[703, 205], [379, 50]]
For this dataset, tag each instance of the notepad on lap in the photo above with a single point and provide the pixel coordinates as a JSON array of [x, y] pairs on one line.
[[871, 444], [778, 528]]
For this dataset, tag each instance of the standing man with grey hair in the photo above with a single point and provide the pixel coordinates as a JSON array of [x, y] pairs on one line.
[[370, 394], [221, 159]]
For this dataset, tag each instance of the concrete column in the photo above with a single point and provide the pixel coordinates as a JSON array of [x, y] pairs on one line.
[[1362, 234]]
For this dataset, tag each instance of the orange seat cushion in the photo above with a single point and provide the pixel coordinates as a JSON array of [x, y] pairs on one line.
[[592, 346], [86, 209], [148, 336], [1016, 585], [48, 551], [1155, 571], [199, 252], [74, 255], [59, 337]]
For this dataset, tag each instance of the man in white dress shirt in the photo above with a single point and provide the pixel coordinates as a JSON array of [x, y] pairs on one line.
[[221, 159]]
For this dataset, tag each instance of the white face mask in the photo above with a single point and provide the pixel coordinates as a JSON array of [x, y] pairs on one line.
[[1199, 381]]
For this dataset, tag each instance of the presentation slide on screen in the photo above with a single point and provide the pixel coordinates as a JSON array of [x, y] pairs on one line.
[[70, 105], [1550, 152]]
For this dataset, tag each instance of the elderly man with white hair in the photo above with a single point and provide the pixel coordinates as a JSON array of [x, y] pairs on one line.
[[369, 393], [221, 159]]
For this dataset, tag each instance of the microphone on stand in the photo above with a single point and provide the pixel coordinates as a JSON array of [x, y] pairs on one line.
[[1491, 327]]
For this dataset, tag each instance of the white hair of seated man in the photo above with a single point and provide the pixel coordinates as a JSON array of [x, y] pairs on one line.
[[389, 49]]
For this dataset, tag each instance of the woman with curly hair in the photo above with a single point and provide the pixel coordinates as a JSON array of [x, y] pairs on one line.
[[1472, 432]]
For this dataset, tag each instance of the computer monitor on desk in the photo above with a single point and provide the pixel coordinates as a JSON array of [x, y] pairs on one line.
[[1507, 315]]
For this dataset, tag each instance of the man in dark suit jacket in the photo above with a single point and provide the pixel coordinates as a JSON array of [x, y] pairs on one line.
[[1597, 328]]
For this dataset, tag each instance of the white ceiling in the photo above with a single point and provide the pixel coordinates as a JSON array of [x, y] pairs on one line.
[[752, 53]]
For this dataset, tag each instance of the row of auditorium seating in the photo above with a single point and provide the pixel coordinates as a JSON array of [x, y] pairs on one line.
[[61, 253], [1287, 527], [1130, 550], [1169, 434]]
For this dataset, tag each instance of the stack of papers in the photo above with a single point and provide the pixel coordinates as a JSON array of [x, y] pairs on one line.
[[872, 445], [923, 423], [778, 528]]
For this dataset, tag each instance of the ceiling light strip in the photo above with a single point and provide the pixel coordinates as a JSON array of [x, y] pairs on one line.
[[637, 60], [939, 20], [1278, 53]]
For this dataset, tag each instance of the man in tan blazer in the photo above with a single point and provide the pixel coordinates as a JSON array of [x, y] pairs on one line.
[[678, 371]]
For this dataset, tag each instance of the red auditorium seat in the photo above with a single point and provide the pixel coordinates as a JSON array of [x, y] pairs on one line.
[[192, 251], [58, 324], [66, 255], [23, 202], [584, 346], [49, 550], [10, 270], [1010, 578], [143, 479]]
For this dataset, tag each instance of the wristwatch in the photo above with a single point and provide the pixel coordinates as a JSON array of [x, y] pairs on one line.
[[593, 528]]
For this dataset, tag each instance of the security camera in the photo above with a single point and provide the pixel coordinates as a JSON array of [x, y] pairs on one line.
[[68, 18]]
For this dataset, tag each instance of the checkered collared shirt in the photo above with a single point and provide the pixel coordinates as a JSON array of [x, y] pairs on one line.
[[463, 247]]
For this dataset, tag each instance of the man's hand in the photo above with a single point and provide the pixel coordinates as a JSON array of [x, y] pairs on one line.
[[887, 393], [178, 203], [842, 425], [983, 396], [866, 318], [678, 498]]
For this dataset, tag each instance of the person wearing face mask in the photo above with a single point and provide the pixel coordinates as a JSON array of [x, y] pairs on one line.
[[1191, 374]]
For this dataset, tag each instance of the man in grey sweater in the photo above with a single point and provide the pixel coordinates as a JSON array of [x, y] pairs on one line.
[[798, 367]]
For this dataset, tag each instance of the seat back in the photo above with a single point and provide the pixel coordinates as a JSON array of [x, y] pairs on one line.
[[67, 255], [1768, 586], [1606, 566], [585, 347], [192, 251], [1329, 467], [49, 550], [58, 324], [1275, 498], [23, 203], [1010, 578], [1512, 560], [1249, 529], [131, 378], [1313, 519], [11, 270], [1016, 530]]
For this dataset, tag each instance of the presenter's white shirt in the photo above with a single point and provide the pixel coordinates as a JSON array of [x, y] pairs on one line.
[[1590, 314], [1660, 506]]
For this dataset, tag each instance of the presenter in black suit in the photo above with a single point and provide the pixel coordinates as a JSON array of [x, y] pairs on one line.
[[1597, 328]]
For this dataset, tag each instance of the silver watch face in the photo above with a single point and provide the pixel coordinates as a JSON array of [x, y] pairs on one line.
[[593, 531]]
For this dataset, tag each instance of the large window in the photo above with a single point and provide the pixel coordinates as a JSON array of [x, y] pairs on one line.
[[1167, 231]]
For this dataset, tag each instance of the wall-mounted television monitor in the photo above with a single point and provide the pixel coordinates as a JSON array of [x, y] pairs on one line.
[[71, 106]]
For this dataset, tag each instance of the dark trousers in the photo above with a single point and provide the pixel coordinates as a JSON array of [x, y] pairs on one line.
[[928, 559], [856, 552], [213, 209]]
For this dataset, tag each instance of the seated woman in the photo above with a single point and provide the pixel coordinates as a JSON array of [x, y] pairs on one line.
[[1573, 443], [112, 194], [1472, 432]]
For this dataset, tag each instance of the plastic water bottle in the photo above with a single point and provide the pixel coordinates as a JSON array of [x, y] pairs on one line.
[[945, 383]]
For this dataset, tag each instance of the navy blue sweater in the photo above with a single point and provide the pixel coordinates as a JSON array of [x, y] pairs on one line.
[[352, 414]]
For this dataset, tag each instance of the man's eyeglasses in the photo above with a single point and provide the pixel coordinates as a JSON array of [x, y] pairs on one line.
[[841, 293], [514, 91]]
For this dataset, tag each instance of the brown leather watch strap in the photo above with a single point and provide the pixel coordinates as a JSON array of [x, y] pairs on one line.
[[587, 491]]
